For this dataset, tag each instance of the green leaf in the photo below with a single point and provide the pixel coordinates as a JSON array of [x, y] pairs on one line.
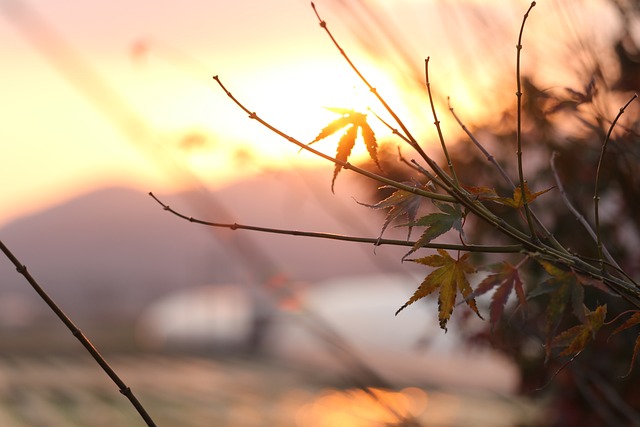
[[566, 290], [437, 224], [450, 277]]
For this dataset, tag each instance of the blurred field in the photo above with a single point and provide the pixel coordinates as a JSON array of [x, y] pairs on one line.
[[196, 391]]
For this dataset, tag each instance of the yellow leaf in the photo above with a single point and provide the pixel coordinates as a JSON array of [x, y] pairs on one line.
[[450, 277]]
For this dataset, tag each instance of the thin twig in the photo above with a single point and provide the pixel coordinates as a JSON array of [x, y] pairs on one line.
[[422, 170], [525, 202], [596, 195], [332, 236], [122, 387], [458, 195], [490, 157], [593, 399], [457, 192], [613, 397], [411, 140], [436, 122], [529, 244], [581, 219]]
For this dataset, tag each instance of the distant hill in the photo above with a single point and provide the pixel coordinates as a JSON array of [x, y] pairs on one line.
[[111, 252]]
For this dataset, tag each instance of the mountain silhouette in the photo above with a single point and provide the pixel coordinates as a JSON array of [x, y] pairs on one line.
[[113, 251]]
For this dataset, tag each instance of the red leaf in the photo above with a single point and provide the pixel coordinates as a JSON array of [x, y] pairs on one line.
[[506, 277], [631, 321]]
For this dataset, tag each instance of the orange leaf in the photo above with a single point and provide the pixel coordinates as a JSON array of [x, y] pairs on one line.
[[636, 350], [631, 322], [565, 289], [576, 338], [345, 145], [352, 121], [517, 201]]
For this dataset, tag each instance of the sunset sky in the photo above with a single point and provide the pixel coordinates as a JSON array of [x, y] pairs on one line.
[[120, 93]]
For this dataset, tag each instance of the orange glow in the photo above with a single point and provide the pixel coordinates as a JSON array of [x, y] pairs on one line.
[[360, 408], [58, 141]]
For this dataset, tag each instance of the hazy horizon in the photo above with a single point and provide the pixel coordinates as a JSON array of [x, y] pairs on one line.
[[110, 94]]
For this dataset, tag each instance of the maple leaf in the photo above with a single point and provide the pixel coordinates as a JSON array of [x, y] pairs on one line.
[[505, 278], [400, 202], [575, 98], [450, 277], [450, 216], [575, 339], [631, 322], [482, 193], [352, 121], [565, 287], [517, 201]]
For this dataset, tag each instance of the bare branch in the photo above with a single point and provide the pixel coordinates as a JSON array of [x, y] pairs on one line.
[[519, 128], [581, 219], [490, 157], [503, 173], [436, 122], [122, 387], [331, 236], [596, 194]]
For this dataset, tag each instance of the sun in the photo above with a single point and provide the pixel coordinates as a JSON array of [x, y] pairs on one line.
[[204, 130], [298, 98]]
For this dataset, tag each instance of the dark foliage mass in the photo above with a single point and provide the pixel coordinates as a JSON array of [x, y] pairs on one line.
[[572, 338]]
